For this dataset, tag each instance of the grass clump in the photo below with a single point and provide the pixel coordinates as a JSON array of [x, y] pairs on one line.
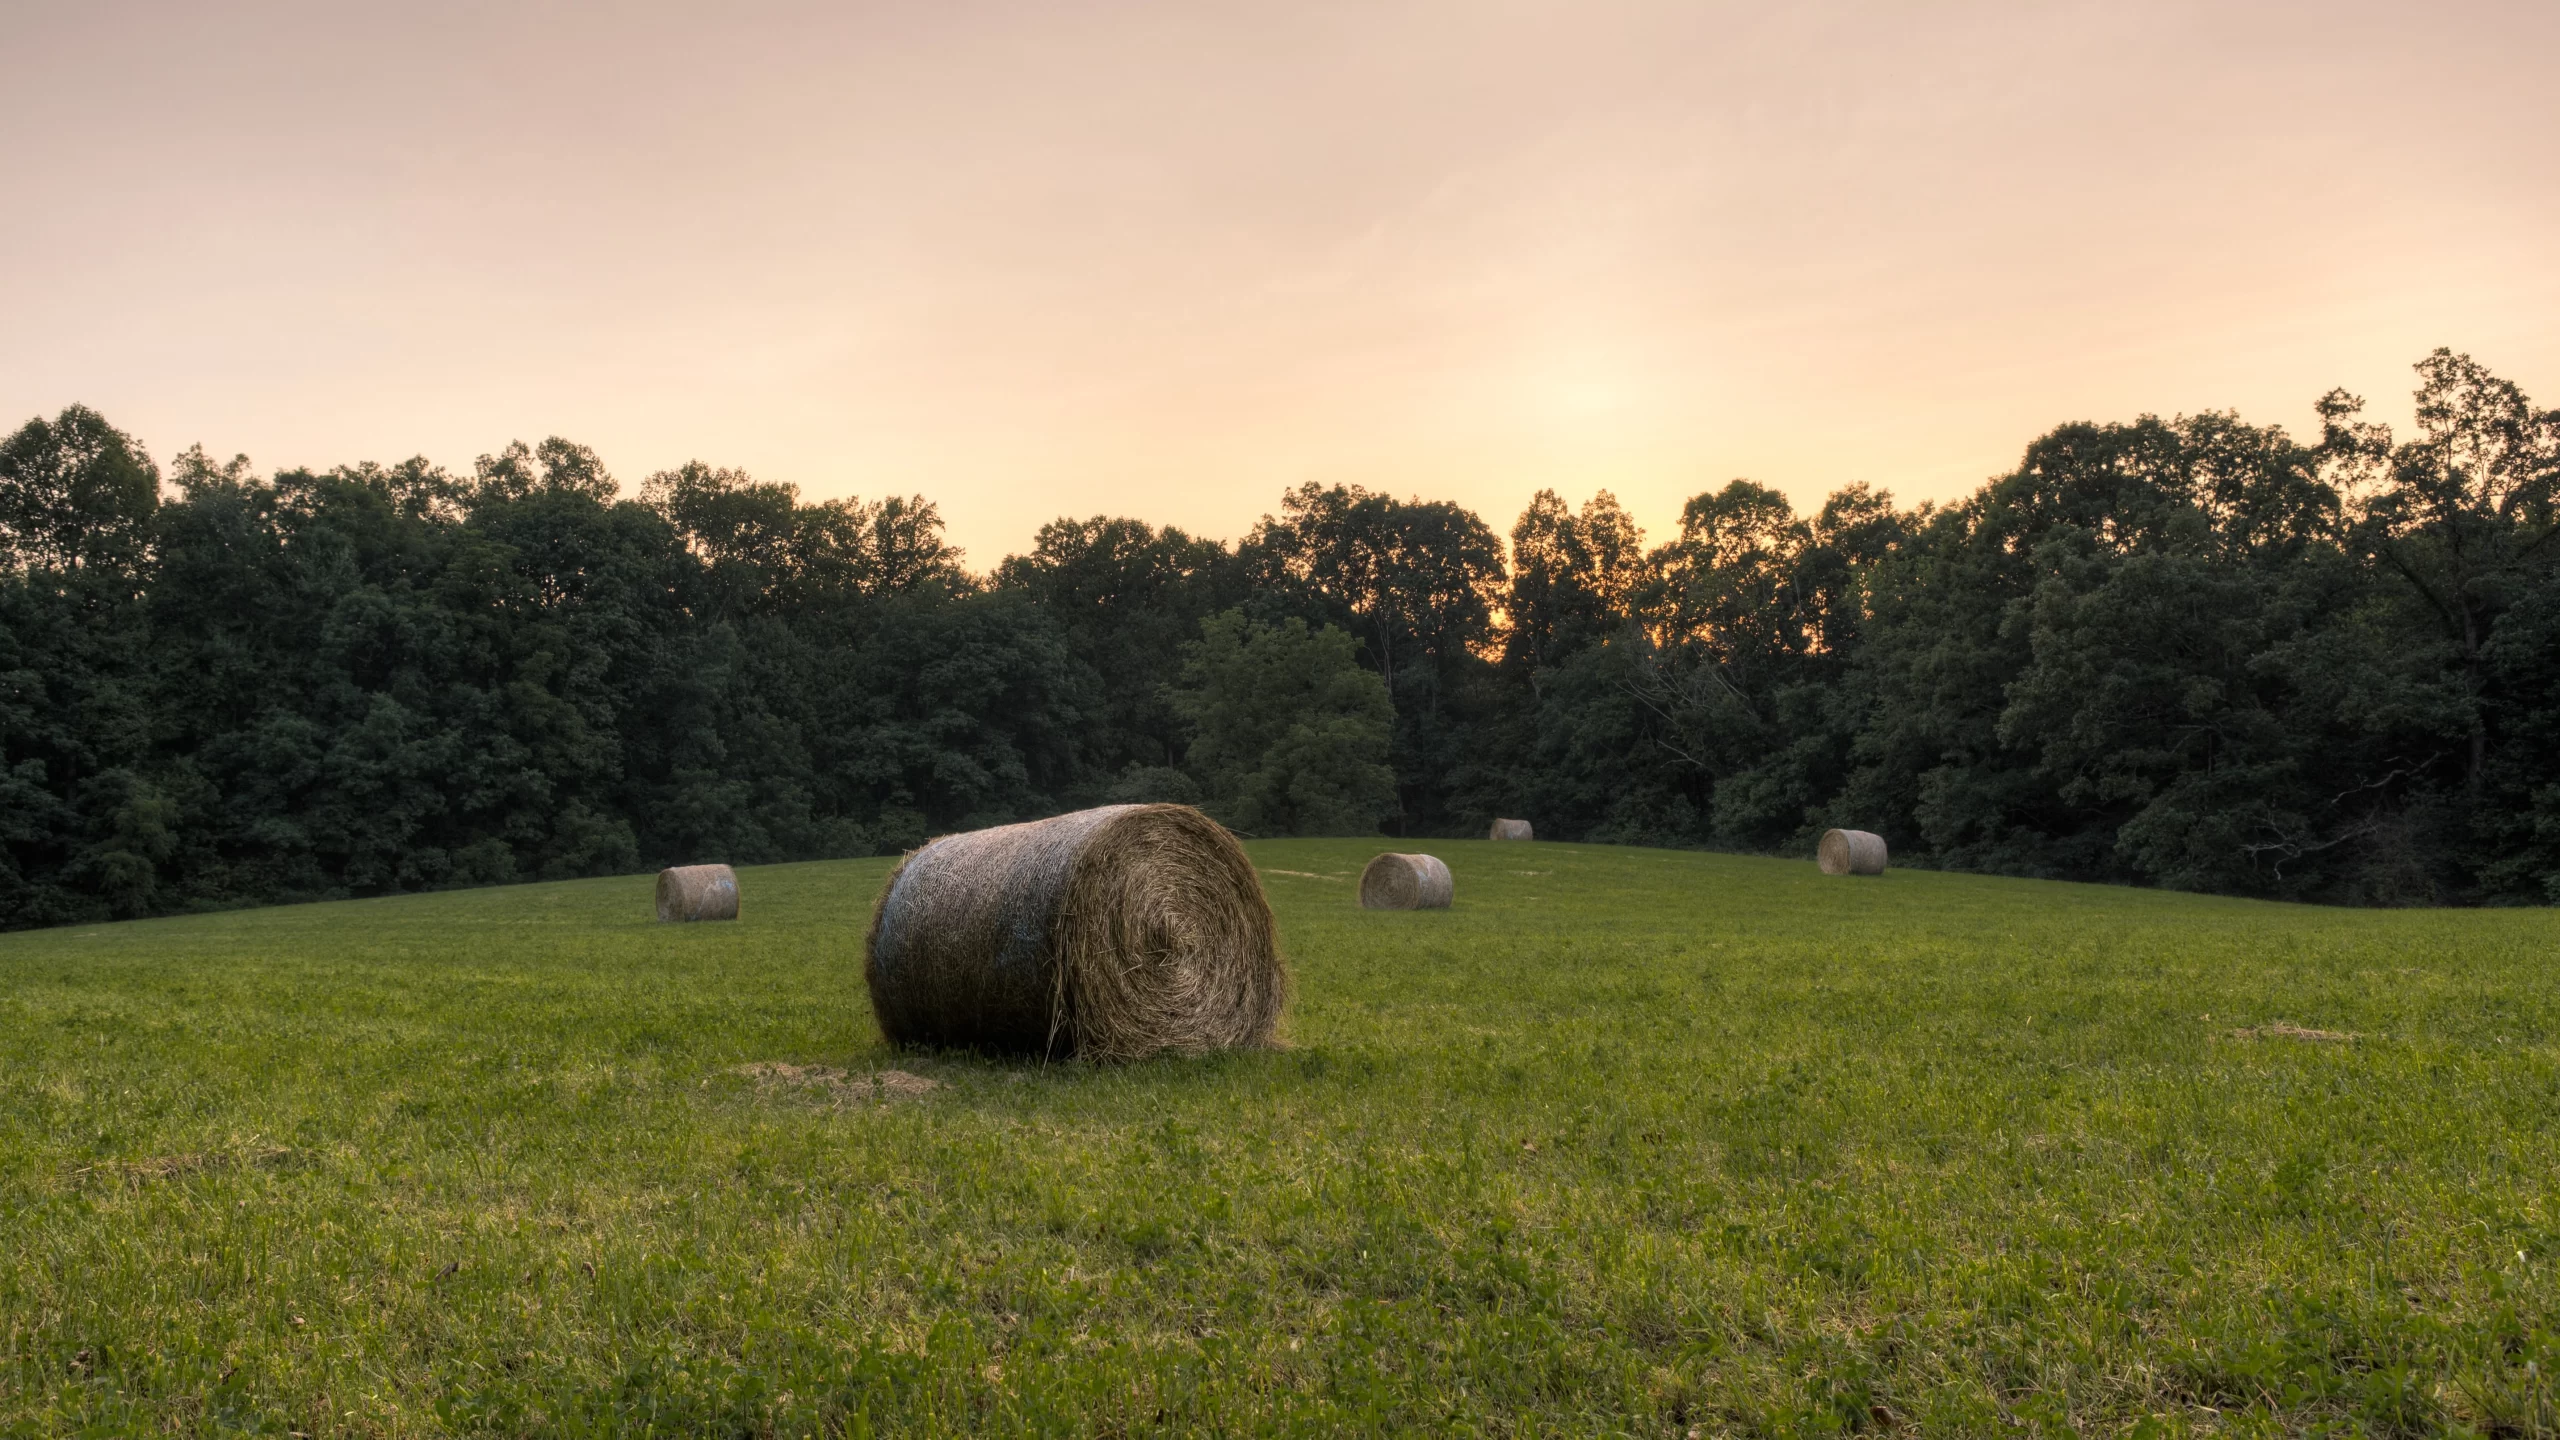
[[1627, 1142]]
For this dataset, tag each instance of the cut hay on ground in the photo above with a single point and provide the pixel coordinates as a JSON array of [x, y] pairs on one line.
[[1406, 882], [830, 1083], [2280, 1030], [1512, 830], [698, 892], [1850, 852], [1111, 934]]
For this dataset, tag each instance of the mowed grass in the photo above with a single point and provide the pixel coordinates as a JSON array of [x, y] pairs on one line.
[[1628, 1142]]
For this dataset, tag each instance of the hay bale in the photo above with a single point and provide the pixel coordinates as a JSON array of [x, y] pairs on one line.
[[1512, 830], [1406, 882], [1110, 933], [698, 892], [1850, 852]]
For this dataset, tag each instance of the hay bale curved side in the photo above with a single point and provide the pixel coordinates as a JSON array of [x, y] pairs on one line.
[[1396, 881], [1512, 830], [1850, 852], [697, 892], [1110, 933]]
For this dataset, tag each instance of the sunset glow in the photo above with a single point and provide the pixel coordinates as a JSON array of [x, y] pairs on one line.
[[1167, 259]]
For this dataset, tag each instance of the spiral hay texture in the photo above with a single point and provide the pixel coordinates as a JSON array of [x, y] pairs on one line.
[[1511, 830], [1850, 852], [698, 892], [1406, 882], [1111, 934]]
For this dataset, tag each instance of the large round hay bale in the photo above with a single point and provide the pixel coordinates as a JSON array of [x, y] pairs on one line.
[[698, 892], [1406, 882], [1110, 933], [1850, 852], [1512, 830]]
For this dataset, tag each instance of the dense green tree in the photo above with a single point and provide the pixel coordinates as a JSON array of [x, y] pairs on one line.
[[2518, 804], [1289, 734], [1764, 612], [851, 550], [555, 466], [2464, 514], [1417, 582], [1560, 737], [1574, 579], [379, 695], [1596, 753], [75, 493], [1126, 598], [85, 817], [2187, 652], [2137, 658], [1703, 710]]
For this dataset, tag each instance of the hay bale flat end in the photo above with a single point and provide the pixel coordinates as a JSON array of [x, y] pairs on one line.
[[1112, 933]]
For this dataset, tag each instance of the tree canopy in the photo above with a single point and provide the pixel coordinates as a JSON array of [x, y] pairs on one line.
[[2190, 652]]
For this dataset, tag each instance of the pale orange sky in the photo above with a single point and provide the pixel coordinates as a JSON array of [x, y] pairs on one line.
[[1167, 259]]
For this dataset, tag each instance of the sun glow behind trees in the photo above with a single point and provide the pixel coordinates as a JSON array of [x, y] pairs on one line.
[[1164, 259], [2194, 652]]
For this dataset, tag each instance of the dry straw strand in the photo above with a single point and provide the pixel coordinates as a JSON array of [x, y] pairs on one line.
[[698, 892], [1512, 830], [2281, 1030], [1112, 934], [1406, 882], [1850, 852]]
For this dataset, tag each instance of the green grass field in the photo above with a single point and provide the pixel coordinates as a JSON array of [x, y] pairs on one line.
[[1629, 1142]]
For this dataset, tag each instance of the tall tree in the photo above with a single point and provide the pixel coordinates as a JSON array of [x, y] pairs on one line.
[[75, 493], [1126, 597], [1289, 733], [2464, 513], [86, 820], [1574, 578], [1417, 581]]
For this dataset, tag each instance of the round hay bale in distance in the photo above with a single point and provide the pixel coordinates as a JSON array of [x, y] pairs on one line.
[[1512, 830], [697, 892], [1111, 933], [1850, 852], [1406, 882]]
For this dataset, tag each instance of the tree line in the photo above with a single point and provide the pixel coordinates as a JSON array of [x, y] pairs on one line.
[[2194, 653]]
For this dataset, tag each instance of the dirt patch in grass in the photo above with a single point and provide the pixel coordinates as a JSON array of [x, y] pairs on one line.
[[171, 1167], [2279, 1030], [839, 1086]]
